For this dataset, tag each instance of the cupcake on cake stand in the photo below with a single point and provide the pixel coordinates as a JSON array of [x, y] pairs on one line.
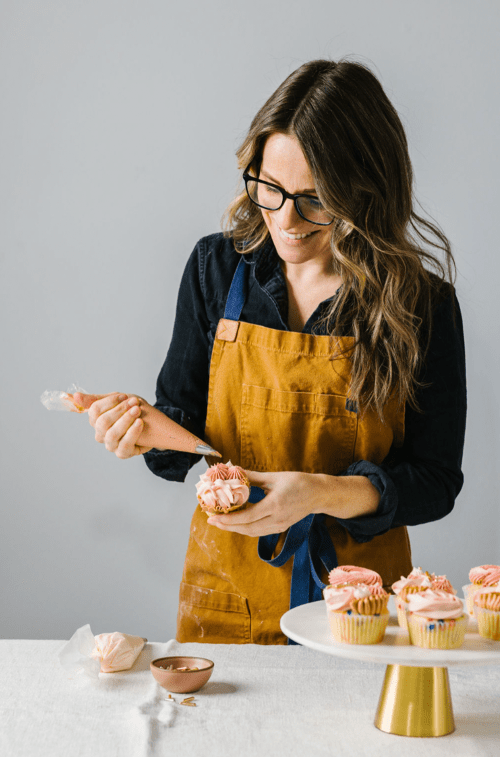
[[415, 699]]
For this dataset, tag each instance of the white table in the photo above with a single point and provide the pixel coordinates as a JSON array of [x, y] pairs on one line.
[[260, 701]]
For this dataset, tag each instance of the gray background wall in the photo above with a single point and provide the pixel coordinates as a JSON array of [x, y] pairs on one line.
[[119, 122]]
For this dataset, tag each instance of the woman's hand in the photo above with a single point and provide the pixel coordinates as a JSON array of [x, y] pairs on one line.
[[117, 421], [290, 496]]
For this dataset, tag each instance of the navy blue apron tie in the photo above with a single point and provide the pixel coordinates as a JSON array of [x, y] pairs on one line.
[[307, 541]]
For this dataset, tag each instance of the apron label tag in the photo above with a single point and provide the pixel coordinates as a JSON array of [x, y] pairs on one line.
[[227, 330]]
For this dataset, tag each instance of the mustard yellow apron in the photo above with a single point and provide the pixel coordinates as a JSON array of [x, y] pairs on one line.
[[278, 402]]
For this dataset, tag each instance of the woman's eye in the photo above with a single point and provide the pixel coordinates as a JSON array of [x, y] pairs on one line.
[[314, 203]]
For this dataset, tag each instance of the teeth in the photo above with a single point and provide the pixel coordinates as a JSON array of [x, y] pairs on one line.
[[295, 236]]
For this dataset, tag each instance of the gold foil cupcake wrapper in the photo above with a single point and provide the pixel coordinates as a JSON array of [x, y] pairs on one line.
[[369, 605], [487, 600]]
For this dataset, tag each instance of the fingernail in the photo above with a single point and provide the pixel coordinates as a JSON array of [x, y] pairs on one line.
[[132, 401], [135, 410], [122, 397]]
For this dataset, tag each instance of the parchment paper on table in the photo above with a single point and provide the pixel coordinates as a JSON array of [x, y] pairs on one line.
[[106, 653], [223, 488], [174, 436]]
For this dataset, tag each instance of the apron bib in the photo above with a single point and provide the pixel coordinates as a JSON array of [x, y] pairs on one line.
[[277, 401]]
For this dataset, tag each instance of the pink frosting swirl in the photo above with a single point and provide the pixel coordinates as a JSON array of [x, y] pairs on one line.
[[377, 591], [437, 605], [223, 487], [441, 583], [217, 471], [416, 572], [352, 574], [222, 495], [339, 599], [486, 575], [416, 580], [238, 473]]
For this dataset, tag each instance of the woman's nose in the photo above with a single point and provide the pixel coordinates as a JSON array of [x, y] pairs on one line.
[[287, 217]]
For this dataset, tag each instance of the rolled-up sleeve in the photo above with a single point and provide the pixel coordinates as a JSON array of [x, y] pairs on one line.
[[420, 481]]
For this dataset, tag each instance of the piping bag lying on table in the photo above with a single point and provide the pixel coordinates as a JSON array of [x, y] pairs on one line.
[[106, 653], [176, 437]]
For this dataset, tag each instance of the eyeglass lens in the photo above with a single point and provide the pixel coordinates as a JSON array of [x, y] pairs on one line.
[[271, 198]]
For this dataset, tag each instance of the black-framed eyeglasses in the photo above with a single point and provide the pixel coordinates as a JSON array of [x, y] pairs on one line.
[[271, 197]]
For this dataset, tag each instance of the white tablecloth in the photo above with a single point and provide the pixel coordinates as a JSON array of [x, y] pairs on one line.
[[260, 701]]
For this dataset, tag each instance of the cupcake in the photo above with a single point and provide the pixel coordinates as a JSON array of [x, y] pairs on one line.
[[487, 612], [357, 614], [417, 581], [436, 619], [351, 575], [223, 488], [479, 577]]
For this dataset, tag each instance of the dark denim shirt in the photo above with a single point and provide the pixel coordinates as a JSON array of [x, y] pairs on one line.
[[418, 482]]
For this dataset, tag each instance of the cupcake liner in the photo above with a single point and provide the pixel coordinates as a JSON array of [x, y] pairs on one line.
[[358, 629], [437, 634], [488, 623], [401, 611], [469, 591], [218, 510]]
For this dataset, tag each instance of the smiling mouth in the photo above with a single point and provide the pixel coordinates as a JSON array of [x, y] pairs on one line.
[[294, 237]]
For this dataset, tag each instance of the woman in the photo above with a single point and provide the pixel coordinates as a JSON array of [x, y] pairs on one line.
[[313, 346]]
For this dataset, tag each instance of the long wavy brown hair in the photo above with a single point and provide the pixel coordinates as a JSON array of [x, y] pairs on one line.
[[357, 151]]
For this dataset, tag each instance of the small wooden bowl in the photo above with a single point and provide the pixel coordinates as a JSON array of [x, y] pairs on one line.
[[182, 681]]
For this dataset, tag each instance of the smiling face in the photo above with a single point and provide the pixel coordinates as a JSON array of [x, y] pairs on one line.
[[297, 241]]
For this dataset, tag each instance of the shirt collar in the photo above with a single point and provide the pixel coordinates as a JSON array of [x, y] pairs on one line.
[[269, 276]]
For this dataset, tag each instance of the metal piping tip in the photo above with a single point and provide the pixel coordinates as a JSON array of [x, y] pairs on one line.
[[204, 449]]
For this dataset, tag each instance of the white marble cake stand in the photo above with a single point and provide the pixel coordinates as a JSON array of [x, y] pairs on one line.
[[415, 698]]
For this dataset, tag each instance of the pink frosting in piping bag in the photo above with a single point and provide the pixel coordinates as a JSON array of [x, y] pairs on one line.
[[117, 651]]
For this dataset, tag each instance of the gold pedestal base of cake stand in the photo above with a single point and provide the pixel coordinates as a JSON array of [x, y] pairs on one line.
[[415, 701]]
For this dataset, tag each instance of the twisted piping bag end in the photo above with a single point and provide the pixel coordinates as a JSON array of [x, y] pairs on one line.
[[204, 449]]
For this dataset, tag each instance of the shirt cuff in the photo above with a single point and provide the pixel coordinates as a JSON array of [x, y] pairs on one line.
[[170, 464], [365, 527]]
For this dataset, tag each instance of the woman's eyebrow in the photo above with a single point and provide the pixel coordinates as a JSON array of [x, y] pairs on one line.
[[302, 192]]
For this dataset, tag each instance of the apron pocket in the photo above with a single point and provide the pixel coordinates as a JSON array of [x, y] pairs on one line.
[[296, 431], [212, 617]]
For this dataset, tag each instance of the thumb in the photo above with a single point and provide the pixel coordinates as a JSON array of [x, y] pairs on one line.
[[262, 480]]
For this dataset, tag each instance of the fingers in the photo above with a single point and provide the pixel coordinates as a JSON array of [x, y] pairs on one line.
[[114, 424], [115, 404], [263, 480], [127, 446], [262, 527], [252, 514]]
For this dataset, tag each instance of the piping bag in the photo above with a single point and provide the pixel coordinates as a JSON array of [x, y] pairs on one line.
[[106, 653], [176, 437]]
